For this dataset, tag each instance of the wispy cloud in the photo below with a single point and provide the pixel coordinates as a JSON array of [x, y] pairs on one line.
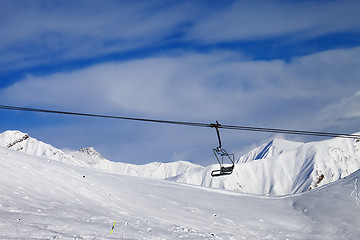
[[37, 33], [341, 115], [42, 30], [249, 20]]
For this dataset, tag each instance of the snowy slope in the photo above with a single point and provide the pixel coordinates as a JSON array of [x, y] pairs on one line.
[[281, 167], [40, 199]]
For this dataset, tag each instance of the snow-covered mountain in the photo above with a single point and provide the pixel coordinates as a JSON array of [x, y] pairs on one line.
[[152, 170], [22, 142], [279, 167], [19, 141], [282, 167], [88, 155], [42, 199], [270, 149]]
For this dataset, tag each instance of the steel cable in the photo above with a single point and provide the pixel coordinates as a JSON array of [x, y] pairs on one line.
[[195, 124]]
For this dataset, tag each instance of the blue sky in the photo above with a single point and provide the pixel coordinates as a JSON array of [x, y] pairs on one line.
[[280, 64]]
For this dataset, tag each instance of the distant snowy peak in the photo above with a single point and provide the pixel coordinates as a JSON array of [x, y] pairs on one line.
[[18, 141], [9, 139], [91, 152], [151, 170], [89, 156], [273, 148]]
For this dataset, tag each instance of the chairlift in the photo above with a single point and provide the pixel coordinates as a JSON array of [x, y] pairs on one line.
[[221, 156]]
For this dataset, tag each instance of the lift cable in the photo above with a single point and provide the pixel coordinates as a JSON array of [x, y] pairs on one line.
[[195, 124]]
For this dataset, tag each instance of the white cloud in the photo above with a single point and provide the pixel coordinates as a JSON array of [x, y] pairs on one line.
[[343, 114], [200, 86]]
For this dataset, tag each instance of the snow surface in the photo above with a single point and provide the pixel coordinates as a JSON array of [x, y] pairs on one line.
[[43, 199]]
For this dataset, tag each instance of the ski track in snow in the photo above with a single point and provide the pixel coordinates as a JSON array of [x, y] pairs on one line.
[[42, 199]]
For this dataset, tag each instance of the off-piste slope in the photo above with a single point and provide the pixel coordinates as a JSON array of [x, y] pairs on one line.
[[282, 167], [41, 199]]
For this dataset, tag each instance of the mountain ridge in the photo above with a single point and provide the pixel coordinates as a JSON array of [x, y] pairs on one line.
[[279, 167], [282, 170], [89, 157], [18, 141]]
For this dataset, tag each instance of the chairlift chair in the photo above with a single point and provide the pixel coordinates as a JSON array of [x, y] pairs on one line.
[[221, 156]]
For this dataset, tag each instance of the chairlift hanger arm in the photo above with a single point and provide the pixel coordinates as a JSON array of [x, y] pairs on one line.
[[216, 126]]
